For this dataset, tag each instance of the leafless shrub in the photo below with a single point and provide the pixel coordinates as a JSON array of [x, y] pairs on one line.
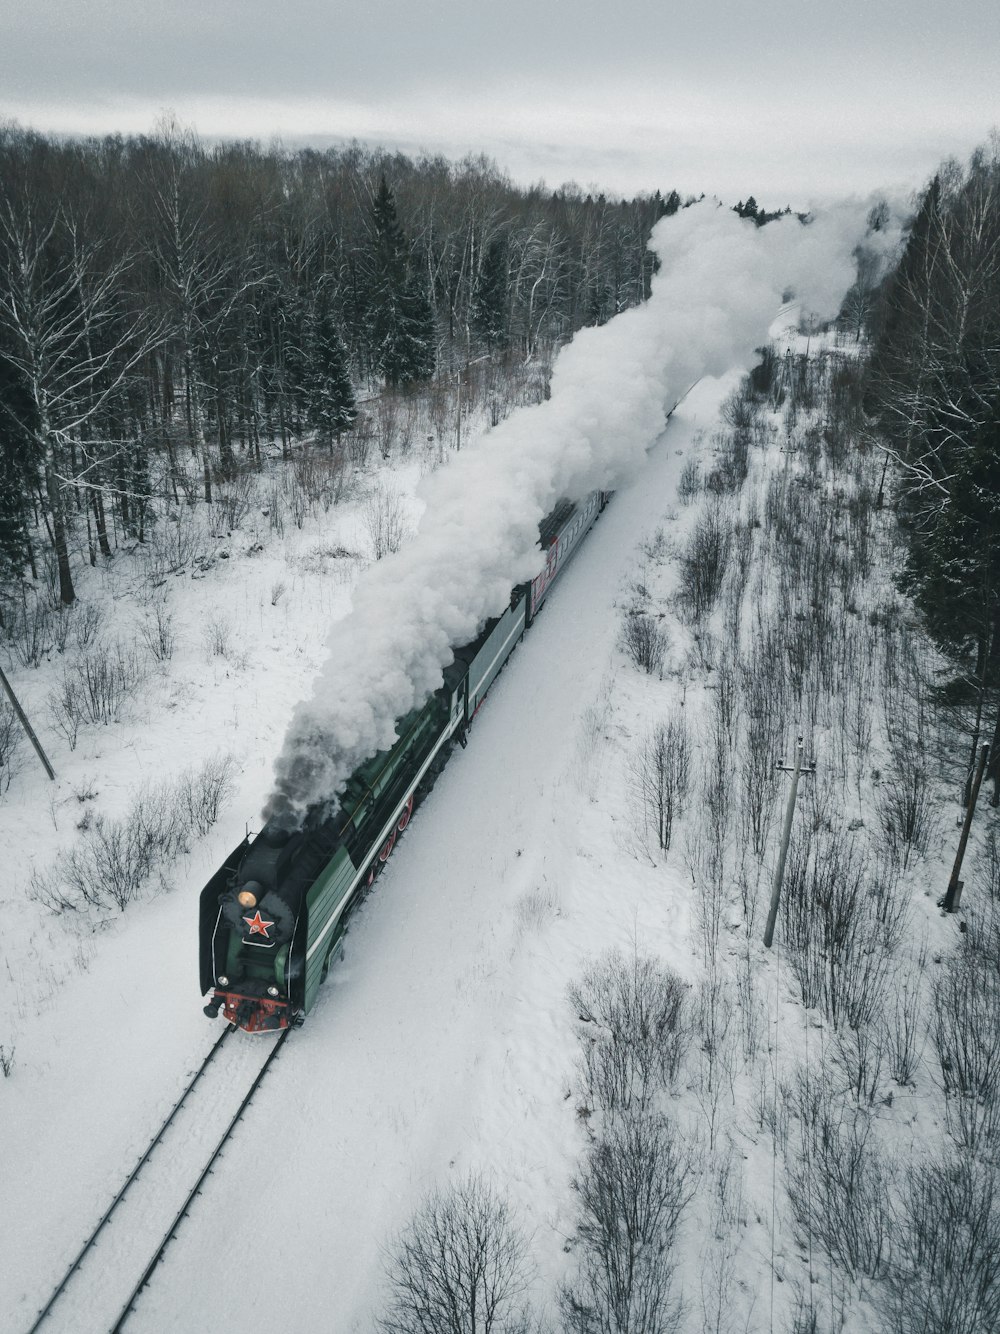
[[384, 520], [172, 544], [644, 642], [157, 632], [30, 632], [905, 1033], [860, 1053], [460, 1267], [759, 779], [87, 621], [217, 635], [719, 1292], [11, 736], [114, 859], [387, 407], [906, 811], [637, 1007], [278, 590], [750, 1016], [966, 1034], [634, 1187], [704, 561], [689, 482], [359, 442], [945, 1273], [66, 709], [203, 792], [837, 948], [233, 502], [97, 687], [839, 1184], [715, 1065], [732, 453], [661, 777], [740, 409]]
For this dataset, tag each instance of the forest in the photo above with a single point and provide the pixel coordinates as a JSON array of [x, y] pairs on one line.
[[162, 301]]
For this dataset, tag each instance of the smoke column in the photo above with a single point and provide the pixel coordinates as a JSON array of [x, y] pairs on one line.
[[719, 286]]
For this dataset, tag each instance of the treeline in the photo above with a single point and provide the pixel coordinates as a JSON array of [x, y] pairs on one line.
[[933, 396], [160, 299]]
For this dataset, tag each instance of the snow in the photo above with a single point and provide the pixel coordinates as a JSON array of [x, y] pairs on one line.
[[444, 1040]]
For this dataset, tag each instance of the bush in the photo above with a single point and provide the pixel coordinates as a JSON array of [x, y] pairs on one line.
[[11, 736], [704, 562], [644, 642], [158, 633], [111, 863], [839, 1185], [96, 688], [461, 1267], [966, 1037], [385, 521], [661, 776], [637, 1007], [633, 1190], [945, 1275]]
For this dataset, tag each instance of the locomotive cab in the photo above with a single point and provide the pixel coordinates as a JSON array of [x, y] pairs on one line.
[[246, 951]]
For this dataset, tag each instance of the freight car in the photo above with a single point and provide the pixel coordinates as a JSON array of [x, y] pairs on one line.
[[275, 912]]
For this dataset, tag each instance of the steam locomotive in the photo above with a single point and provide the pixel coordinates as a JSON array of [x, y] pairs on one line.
[[273, 916]]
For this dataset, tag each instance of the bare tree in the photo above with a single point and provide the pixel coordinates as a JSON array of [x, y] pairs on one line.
[[461, 1267], [62, 315], [385, 520], [644, 642], [661, 776], [634, 1187], [638, 1007], [945, 1275]]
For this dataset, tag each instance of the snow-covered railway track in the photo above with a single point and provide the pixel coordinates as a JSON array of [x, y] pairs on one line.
[[105, 1279]]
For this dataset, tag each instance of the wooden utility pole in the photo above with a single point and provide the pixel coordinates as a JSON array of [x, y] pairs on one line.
[[26, 725], [779, 871], [953, 894]]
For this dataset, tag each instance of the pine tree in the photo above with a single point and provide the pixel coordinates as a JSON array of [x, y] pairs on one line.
[[331, 407], [490, 298], [400, 322]]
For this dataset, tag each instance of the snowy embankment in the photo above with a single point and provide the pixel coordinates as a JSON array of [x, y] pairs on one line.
[[444, 1040]]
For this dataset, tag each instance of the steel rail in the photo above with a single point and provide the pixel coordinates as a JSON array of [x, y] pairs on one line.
[[189, 1200], [81, 1255]]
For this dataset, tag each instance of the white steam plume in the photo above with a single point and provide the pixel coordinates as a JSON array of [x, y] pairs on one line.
[[720, 285]]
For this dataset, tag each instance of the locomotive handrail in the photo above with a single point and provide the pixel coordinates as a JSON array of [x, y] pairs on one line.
[[43, 1313]]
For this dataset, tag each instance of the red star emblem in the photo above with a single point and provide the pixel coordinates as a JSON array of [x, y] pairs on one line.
[[257, 925]]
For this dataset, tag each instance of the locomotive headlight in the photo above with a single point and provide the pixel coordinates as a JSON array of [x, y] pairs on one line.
[[223, 981], [245, 899], [272, 991]]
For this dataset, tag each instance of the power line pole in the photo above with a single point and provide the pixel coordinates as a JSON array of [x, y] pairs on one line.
[[953, 894], [26, 725], [779, 871]]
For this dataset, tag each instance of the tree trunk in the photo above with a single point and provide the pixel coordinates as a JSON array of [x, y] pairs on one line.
[[67, 593]]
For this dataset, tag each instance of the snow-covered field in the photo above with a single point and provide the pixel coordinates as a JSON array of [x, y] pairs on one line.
[[444, 1041]]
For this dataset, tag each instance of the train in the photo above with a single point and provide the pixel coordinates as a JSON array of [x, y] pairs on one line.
[[273, 916]]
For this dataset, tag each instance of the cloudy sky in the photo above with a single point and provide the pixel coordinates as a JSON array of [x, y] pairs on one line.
[[791, 100]]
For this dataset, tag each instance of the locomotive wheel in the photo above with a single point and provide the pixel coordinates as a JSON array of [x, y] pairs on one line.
[[404, 819], [387, 847]]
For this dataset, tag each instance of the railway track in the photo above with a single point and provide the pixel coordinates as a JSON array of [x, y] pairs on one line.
[[102, 1285]]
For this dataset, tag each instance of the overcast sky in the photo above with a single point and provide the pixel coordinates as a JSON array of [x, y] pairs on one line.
[[790, 100]]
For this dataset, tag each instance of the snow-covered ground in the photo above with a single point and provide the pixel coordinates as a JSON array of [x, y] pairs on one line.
[[444, 1041]]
